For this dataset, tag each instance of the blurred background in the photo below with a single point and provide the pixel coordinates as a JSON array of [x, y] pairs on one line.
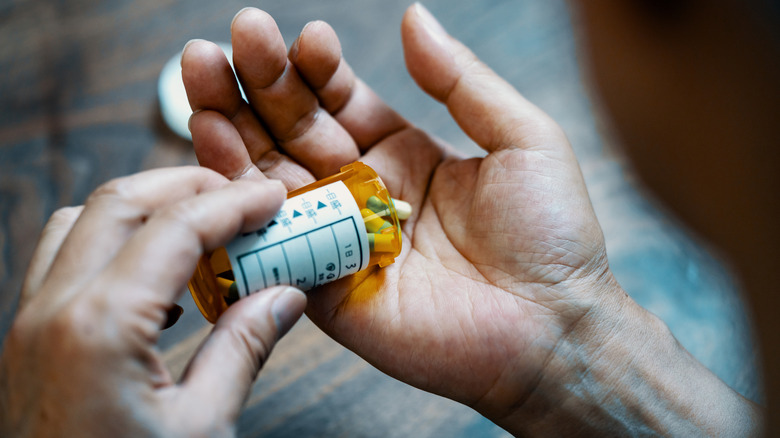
[[79, 106]]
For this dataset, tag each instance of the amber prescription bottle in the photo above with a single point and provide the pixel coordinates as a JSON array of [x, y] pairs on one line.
[[327, 230]]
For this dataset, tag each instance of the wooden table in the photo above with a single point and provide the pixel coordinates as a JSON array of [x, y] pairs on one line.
[[78, 106]]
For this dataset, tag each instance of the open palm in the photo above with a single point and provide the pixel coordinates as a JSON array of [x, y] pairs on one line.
[[502, 253]]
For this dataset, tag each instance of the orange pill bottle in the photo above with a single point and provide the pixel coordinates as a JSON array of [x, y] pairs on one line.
[[324, 231]]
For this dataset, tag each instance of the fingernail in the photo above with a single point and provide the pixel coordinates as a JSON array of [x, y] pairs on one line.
[[431, 24], [294, 48], [172, 315], [287, 308], [184, 49], [189, 121], [190, 42], [293, 55], [237, 14]]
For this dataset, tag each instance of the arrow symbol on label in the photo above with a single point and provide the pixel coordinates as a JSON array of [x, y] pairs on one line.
[[272, 224], [296, 213], [320, 205]]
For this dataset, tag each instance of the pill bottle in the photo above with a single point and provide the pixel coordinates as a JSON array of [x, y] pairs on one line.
[[324, 231]]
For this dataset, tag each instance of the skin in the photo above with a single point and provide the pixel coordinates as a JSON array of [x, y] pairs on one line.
[[707, 73], [525, 323], [463, 286], [512, 314], [80, 358]]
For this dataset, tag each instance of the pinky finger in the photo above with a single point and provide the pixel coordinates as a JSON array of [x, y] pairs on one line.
[[52, 236]]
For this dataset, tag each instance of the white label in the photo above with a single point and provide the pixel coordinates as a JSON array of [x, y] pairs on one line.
[[316, 237]]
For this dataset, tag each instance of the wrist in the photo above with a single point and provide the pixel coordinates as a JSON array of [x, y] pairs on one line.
[[619, 370]]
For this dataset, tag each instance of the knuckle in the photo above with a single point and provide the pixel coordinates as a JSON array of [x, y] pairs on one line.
[[541, 125], [180, 211], [21, 331], [65, 321], [185, 224], [114, 187], [182, 214], [120, 189], [77, 325], [528, 132], [63, 216]]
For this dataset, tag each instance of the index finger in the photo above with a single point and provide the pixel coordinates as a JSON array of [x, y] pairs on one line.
[[160, 257], [112, 214]]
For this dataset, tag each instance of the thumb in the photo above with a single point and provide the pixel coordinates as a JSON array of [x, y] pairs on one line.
[[487, 108], [221, 373]]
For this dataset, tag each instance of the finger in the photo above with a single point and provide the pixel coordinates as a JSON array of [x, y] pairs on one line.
[[233, 148], [285, 104], [488, 109], [114, 212], [52, 236], [219, 146], [160, 257], [221, 373], [316, 54], [404, 156]]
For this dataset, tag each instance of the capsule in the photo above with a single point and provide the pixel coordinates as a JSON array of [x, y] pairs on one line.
[[228, 289], [381, 242], [374, 222], [377, 206], [403, 209]]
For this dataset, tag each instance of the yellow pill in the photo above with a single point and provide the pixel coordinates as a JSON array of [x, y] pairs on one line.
[[224, 284], [228, 289], [373, 221], [381, 242]]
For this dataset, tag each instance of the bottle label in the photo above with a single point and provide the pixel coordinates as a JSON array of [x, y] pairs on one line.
[[316, 237]]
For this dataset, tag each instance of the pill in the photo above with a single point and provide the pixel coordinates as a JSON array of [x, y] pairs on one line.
[[374, 222], [228, 289], [232, 296], [381, 242], [402, 208], [377, 205], [224, 283]]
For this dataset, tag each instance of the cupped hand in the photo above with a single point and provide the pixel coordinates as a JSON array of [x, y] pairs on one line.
[[81, 356], [503, 254]]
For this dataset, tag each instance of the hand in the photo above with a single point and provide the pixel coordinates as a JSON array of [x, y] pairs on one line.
[[503, 255], [80, 358]]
